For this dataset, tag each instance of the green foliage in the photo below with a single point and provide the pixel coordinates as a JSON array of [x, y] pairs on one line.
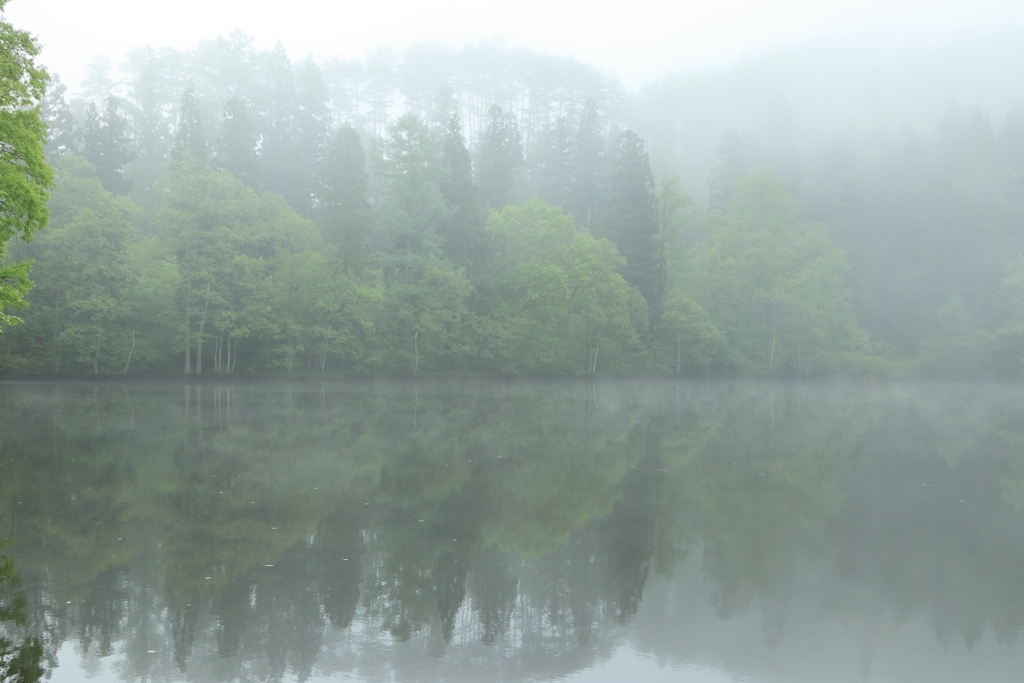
[[25, 177], [345, 214], [21, 662], [189, 135], [107, 144], [410, 169], [774, 286], [631, 220], [236, 153], [86, 271], [562, 297], [501, 155]]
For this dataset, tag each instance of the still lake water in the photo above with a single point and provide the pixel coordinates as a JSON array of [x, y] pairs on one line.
[[464, 531]]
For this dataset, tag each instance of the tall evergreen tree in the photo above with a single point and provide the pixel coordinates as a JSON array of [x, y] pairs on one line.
[[588, 164], [152, 89], [501, 155], [465, 241], [344, 213], [553, 174], [632, 221], [236, 152], [732, 164], [312, 136], [107, 144], [60, 121], [278, 156], [412, 208], [97, 84], [189, 136]]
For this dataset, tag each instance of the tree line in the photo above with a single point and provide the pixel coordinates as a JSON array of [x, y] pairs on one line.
[[275, 240], [227, 210]]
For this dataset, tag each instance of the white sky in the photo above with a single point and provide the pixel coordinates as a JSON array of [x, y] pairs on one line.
[[637, 39]]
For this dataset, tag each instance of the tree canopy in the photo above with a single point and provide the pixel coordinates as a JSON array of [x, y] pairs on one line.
[[25, 176]]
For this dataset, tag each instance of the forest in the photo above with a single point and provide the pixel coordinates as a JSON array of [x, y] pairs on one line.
[[490, 210]]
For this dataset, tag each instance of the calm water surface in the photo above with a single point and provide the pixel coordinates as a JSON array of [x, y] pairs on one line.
[[454, 531]]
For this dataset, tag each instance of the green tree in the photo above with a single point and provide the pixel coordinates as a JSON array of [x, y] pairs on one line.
[[189, 135], [222, 237], [774, 285], [312, 137], [412, 208], [344, 212], [62, 132], [552, 160], [425, 317], [562, 299], [500, 157], [279, 157], [236, 152], [589, 164], [732, 164], [86, 272], [25, 177], [465, 241], [631, 220], [107, 144]]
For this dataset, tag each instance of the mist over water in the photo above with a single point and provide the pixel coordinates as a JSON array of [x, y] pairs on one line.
[[440, 530]]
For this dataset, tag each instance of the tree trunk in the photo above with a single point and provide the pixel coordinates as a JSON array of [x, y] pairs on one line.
[[130, 352], [96, 356], [188, 341], [56, 334], [199, 344], [679, 350], [416, 350], [775, 329]]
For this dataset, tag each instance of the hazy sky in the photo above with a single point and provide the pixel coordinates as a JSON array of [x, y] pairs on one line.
[[638, 39]]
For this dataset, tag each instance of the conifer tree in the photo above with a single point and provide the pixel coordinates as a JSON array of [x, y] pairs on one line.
[[60, 121], [463, 229], [732, 164], [312, 137], [632, 221], [189, 136], [501, 155], [344, 212], [554, 167], [588, 165], [107, 144], [278, 156], [237, 149]]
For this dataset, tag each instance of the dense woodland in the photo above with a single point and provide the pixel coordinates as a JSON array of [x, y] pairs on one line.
[[491, 210]]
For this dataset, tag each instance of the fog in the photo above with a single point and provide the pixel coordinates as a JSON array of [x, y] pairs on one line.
[[637, 43], [737, 191]]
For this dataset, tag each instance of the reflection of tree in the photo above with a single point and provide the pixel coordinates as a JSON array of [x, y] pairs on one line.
[[283, 529], [20, 656], [764, 472], [494, 588]]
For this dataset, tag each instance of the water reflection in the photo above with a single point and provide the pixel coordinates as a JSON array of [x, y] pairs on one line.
[[20, 653], [440, 530]]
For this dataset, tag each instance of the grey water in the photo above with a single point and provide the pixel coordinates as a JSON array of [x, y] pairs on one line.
[[514, 531]]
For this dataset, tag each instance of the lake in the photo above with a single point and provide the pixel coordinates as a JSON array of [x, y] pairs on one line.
[[468, 530]]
